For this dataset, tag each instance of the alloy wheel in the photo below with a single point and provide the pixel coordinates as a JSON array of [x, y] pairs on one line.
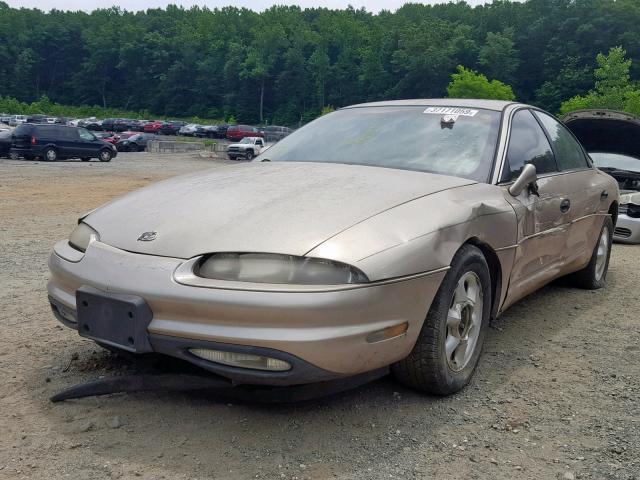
[[464, 321]]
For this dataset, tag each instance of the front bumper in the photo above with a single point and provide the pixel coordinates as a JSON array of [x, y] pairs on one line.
[[322, 334], [627, 229]]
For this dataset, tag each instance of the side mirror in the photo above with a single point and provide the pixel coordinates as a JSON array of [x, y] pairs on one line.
[[527, 178]]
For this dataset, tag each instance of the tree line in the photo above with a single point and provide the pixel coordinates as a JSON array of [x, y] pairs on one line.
[[286, 64]]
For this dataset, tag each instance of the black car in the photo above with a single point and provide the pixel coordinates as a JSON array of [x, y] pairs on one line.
[[57, 142], [134, 143], [171, 128], [207, 131], [108, 124]]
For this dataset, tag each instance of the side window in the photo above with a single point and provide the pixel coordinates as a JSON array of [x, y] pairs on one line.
[[569, 155], [85, 134], [527, 144]]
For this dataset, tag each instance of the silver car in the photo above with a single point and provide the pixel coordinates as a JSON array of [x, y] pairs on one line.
[[611, 138], [381, 236]]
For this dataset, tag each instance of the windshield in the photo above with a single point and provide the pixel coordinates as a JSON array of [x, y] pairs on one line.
[[445, 140], [615, 160], [246, 140]]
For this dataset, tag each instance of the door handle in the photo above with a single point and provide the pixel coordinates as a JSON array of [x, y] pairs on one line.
[[604, 195], [565, 205]]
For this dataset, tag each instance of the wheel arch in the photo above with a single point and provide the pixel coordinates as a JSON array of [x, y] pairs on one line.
[[495, 271]]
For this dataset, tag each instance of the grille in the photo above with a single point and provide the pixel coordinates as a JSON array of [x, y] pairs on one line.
[[622, 232]]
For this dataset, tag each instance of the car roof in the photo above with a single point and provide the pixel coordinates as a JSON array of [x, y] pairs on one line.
[[497, 105]]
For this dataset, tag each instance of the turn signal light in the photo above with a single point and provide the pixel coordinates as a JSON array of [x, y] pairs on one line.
[[388, 333]]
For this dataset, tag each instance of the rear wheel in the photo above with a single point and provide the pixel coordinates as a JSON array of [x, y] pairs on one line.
[[105, 156], [448, 347], [50, 155], [594, 275]]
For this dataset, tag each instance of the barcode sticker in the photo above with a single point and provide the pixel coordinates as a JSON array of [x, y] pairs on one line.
[[465, 112]]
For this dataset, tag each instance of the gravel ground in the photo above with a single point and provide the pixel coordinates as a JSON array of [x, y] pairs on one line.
[[556, 394]]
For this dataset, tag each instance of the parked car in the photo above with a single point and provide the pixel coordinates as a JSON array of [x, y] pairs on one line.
[[189, 130], [59, 142], [611, 138], [248, 148], [123, 125], [274, 133], [134, 143], [171, 128], [108, 124], [153, 127], [221, 131], [36, 119], [207, 131], [236, 133], [361, 254], [17, 120]]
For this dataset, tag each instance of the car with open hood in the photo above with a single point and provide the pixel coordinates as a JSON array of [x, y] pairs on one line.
[[613, 141], [337, 252]]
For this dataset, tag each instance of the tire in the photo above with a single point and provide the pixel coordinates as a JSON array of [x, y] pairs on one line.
[[231, 157], [50, 154], [594, 275], [105, 155], [249, 154], [85, 159], [428, 367], [28, 157]]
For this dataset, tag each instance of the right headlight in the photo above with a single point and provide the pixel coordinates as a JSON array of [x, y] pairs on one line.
[[633, 210], [278, 269], [82, 236]]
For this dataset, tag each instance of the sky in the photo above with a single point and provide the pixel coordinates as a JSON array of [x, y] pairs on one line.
[[258, 5]]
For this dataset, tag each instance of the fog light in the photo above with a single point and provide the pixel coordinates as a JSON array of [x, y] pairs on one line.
[[388, 333], [242, 360]]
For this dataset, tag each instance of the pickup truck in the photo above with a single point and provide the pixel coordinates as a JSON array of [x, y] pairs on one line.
[[247, 148]]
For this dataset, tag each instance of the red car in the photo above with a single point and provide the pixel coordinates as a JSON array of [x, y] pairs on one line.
[[238, 132], [153, 127]]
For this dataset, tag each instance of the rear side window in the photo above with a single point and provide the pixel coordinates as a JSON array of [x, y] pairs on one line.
[[23, 130], [527, 144], [569, 154]]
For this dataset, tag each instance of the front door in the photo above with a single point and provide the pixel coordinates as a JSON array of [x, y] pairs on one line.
[[543, 216]]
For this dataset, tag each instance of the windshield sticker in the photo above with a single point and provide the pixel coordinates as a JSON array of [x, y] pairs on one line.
[[465, 112]]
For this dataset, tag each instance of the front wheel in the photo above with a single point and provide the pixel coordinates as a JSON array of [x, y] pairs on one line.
[[249, 154], [448, 347], [105, 156], [594, 275]]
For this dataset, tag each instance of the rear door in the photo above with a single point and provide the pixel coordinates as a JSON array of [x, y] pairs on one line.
[[543, 220], [585, 190]]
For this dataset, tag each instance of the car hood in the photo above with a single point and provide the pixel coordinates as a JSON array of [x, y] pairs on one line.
[[277, 207], [606, 131]]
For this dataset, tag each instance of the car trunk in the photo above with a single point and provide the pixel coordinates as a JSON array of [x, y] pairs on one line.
[[606, 131]]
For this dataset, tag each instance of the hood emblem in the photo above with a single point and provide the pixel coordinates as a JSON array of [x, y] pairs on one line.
[[148, 237]]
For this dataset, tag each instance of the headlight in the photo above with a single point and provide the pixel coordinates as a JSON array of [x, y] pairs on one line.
[[82, 236], [274, 268], [633, 210]]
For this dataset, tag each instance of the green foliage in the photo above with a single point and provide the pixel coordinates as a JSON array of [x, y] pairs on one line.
[[284, 64], [44, 106], [327, 109], [613, 87], [469, 84]]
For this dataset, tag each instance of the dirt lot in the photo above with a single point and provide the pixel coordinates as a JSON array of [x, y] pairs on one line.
[[557, 393]]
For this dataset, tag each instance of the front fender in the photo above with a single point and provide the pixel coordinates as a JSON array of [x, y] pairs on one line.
[[424, 234]]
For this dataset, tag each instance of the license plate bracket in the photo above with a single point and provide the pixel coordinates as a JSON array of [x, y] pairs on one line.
[[116, 319]]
